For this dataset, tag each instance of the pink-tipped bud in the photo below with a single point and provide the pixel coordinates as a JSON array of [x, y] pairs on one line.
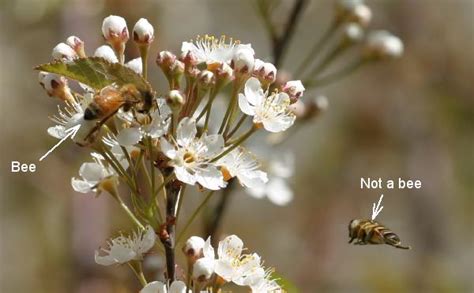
[[107, 53], [143, 32], [114, 30], [294, 89], [206, 79], [55, 86], [189, 59], [265, 72], [193, 248], [165, 60], [77, 45], [64, 52], [177, 68]]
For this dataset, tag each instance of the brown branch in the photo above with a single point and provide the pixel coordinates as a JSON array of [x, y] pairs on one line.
[[215, 219], [280, 44]]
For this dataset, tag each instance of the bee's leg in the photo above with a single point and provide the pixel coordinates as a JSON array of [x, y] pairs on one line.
[[352, 239]]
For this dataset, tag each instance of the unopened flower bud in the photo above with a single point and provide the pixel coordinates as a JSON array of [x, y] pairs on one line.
[[193, 248], [107, 53], [165, 60], [265, 72], [193, 73], [353, 11], [243, 60], [135, 65], [177, 68], [353, 33], [316, 106], [382, 44], [203, 269], [143, 32], [175, 100], [294, 89], [77, 45], [224, 74], [189, 59], [55, 86], [114, 29], [206, 79], [64, 52]]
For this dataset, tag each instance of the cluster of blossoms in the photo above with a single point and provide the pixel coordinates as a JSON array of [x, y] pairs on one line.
[[183, 143], [157, 142]]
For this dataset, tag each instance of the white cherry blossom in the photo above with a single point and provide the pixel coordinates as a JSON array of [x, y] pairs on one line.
[[269, 110], [160, 121], [279, 167], [209, 49], [92, 174], [191, 156], [124, 249], [242, 164]]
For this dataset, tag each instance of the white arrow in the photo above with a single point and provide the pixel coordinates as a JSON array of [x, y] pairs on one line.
[[70, 132], [377, 209]]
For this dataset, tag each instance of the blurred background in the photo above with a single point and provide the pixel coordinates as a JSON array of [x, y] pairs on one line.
[[411, 118]]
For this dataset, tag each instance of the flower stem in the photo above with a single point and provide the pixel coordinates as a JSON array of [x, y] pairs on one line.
[[231, 106], [238, 142], [130, 214], [336, 51], [193, 216], [317, 47], [212, 224], [138, 273], [336, 75], [144, 54], [237, 126]]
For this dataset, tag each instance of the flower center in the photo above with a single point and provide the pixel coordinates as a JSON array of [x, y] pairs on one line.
[[189, 158]]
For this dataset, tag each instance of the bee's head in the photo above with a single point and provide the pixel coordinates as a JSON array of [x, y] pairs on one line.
[[91, 112], [353, 224]]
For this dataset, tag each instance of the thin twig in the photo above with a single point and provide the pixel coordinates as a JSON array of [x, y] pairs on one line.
[[281, 43]]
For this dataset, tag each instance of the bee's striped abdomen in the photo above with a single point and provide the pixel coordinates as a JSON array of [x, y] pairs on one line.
[[371, 232]]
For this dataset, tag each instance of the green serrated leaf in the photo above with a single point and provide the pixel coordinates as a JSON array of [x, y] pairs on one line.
[[96, 72]]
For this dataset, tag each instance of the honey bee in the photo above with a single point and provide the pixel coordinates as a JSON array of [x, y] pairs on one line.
[[371, 232], [110, 99]]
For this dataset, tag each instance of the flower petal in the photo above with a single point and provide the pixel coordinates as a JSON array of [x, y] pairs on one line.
[[279, 192], [129, 136], [245, 106], [186, 131], [184, 176], [177, 287], [210, 177], [253, 91], [230, 248], [154, 287]]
